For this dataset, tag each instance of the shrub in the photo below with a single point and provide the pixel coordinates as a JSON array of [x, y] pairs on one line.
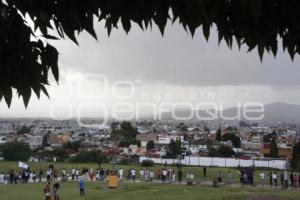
[[147, 163], [16, 151]]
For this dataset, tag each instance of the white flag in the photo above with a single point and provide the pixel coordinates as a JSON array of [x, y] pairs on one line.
[[23, 165]]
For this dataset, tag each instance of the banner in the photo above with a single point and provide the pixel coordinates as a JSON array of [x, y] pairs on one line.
[[23, 165]]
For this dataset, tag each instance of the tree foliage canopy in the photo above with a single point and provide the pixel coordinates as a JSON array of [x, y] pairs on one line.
[[27, 58], [16, 151]]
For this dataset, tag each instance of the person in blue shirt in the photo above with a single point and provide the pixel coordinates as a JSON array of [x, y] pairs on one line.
[[81, 187]]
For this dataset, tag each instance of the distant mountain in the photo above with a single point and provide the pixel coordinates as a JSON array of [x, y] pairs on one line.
[[282, 112], [278, 111]]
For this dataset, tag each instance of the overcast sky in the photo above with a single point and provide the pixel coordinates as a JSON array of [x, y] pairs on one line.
[[146, 67]]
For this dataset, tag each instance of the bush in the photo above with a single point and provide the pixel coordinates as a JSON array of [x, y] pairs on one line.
[[16, 151], [147, 163], [123, 161], [225, 151], [127, 143]]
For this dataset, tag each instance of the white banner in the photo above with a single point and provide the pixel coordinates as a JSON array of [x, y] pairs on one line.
[[23, 165]]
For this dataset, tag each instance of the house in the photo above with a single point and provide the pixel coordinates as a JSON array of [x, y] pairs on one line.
[[144, 138], [284, 151]]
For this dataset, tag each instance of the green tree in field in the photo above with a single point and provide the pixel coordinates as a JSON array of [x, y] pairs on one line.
[[128, 130], [16, 151], [219, 134], [228, 136], [236, 142], [225, 151], [295, 162], [150, 145], [125, 133], [45, 139], [24, 130], [174, 149], [213, 152], [267, 138], [274, 148]]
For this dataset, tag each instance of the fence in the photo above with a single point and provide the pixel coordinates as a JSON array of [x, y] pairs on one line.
[[222, 162]]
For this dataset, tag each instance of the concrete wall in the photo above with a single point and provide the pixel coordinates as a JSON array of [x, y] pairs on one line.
[[222, 162]]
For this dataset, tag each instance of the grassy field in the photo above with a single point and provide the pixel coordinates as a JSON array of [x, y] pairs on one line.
[[144, 191], [197, 171], [136, 191]]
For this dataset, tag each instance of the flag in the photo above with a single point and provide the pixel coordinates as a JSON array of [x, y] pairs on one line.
[[23, 165]]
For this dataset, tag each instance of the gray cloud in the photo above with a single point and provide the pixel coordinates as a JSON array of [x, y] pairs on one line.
[[176, 59]]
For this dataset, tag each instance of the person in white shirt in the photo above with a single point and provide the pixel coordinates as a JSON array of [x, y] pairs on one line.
[[146, 174], [121, 172], [164, 175], [63, 173], [48, 175], [73, 171], [286, 179], [142, 173], [173, 176], [77, 174], [2, 180], [151, 175], [262, 178], [274, 177], [133, 174]]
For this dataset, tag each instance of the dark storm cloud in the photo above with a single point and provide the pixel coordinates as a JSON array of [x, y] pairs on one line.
[[175, 59]]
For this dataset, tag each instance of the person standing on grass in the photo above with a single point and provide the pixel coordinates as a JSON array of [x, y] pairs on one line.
[[179, 175], [262, 178], [73, 171], [121, 172], [151, 175], [34, 176], [274, 177], [292, 179], [142, 173], [173, 176], [164, 174], [129, 175], [295, 179], [282, 179], [286, 179], [133, 173], [48, 175], [77, 174], [245, 178], [220, 177], [81, 187], [157, 174], [63, 173], [55, 191], [47, 192], [270, 178], [204, 171]]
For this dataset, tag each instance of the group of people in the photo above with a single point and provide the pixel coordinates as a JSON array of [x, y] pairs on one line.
[[163, 175], [286, 179], [54, 190], [22, 176]]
